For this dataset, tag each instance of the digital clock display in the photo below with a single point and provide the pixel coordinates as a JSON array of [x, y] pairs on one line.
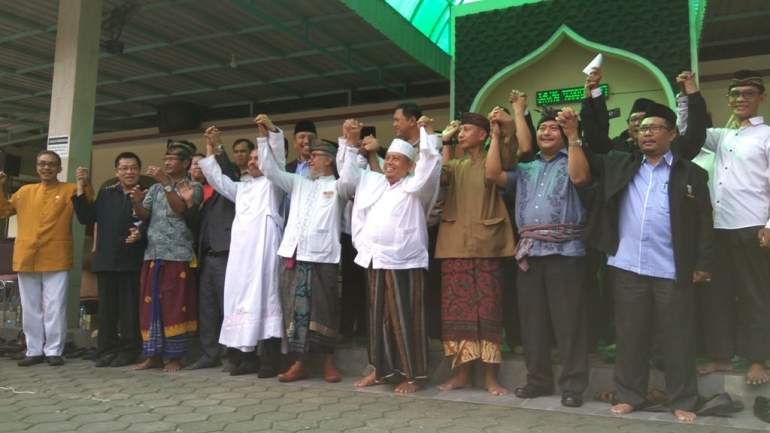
[[572, 94]]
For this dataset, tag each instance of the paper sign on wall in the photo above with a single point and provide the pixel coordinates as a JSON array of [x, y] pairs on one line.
[[60, 145]]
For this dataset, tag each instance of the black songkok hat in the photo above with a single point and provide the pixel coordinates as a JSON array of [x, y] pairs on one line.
[[305, 126], [640, 105], [662, 111], [181, 148], [324, 146], [747, 78], [476, 119]]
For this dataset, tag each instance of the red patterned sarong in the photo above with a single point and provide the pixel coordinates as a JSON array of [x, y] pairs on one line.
[[472, 300]]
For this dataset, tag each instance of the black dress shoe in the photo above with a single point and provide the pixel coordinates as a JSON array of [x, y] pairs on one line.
[[245, 367], [530, 391], [719, 405], [104, 361], [201, 364], [569, 399], [29, 361], [762, 408], [55, 361], [123, 359], [266, 372]]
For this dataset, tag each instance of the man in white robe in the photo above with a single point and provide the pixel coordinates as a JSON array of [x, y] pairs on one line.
[[389, 230], [252, 306]]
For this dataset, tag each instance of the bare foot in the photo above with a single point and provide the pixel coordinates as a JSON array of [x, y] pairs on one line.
[[153, 362], [683, 415], [172, 366], [368, 380], [457, 382], [756, 374], [622, 409], [405, 387], [493, 386], [716, 365]]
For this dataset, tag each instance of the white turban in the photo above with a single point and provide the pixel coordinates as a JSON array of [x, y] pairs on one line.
[[400, 146]]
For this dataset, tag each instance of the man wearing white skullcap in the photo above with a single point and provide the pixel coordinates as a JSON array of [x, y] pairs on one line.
[[390, 232]]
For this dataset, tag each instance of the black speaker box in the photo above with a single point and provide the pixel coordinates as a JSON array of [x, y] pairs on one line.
[[179, 116], [12, 165]]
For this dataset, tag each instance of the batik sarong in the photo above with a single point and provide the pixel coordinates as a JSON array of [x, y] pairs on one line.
[[311, 307], [168, 308], [472, 309], [397, 339]]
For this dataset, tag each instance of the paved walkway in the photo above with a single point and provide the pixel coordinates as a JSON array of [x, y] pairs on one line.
[[79, 397]]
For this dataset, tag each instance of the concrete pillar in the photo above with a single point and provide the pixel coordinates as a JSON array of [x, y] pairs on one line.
[[73, 97]]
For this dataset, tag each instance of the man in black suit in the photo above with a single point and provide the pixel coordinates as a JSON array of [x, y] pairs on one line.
[[653, 217], [216, 218], [304, 135]]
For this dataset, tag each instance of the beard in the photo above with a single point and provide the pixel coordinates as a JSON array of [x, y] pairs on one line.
[[315, 172]]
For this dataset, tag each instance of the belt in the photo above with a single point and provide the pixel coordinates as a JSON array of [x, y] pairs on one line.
[[212, 253]]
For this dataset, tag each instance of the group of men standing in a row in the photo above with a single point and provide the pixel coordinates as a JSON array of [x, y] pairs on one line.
[[268, 245]]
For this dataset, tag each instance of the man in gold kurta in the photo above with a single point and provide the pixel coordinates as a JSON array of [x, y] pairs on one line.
[[42, 257], [474, 236]]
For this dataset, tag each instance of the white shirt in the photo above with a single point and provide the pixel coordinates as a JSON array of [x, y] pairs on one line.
[[389, 221], [313, 227], [741, 192]]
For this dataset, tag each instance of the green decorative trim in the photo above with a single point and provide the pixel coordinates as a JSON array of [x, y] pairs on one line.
[[488, 5], [487, 42], [565, 32], [396, 28]]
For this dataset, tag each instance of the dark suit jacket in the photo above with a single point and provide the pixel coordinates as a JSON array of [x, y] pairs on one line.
[[214, 220], [692, 226]]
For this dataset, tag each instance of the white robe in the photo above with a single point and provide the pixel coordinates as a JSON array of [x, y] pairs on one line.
[[252, 306]]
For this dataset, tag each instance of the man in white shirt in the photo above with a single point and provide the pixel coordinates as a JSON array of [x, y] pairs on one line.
[[311, 249], [741, 200], [390, 232]]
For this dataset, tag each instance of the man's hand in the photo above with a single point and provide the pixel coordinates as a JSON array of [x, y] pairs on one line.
[[137, 195], [701, 277], [763, 235], [370, 144], [265, 124], [212, 136], [686, 83], [354, 130], [3, 177], [568, 120], [81, 176], [451, 131], [427, 123], [518, 101], [133, 235], [187, 192], [594, 79], [156, 173]]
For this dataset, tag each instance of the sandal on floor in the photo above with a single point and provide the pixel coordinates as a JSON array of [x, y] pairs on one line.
[[604, 396]]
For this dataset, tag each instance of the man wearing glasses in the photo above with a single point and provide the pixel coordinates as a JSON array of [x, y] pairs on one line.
[[117, 260], [737, 306], [652, 216], [168, 302], [42, 257]]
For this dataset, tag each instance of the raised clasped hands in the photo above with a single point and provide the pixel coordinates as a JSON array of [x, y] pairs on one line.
[[518, 101], [427, 123], [81, 176], [265, 125], [212, 136], [686, 83], [568, 120], [450, 132]]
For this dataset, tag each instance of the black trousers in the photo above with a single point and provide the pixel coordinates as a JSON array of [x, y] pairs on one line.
[[119, 315], [600, 302], [211, 294], [735, 307], [353, 296], [511, 319], [432, 294], [639, 300], [552, 302]]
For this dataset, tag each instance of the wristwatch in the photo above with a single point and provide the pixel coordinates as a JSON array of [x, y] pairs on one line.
[[578, 143], [221, 148], [168, 188]]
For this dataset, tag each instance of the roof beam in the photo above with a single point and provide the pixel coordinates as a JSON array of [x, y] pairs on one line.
[[735, 17], [249, 7], [724, 42]]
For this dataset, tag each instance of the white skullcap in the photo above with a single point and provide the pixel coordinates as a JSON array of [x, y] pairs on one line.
[[400, 146]]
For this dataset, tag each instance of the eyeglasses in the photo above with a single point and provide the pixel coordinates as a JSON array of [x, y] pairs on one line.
[[315, 155], [635, 119], [124, 169], [44, 164], [746, 94], [171, 158], [652, 128]]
